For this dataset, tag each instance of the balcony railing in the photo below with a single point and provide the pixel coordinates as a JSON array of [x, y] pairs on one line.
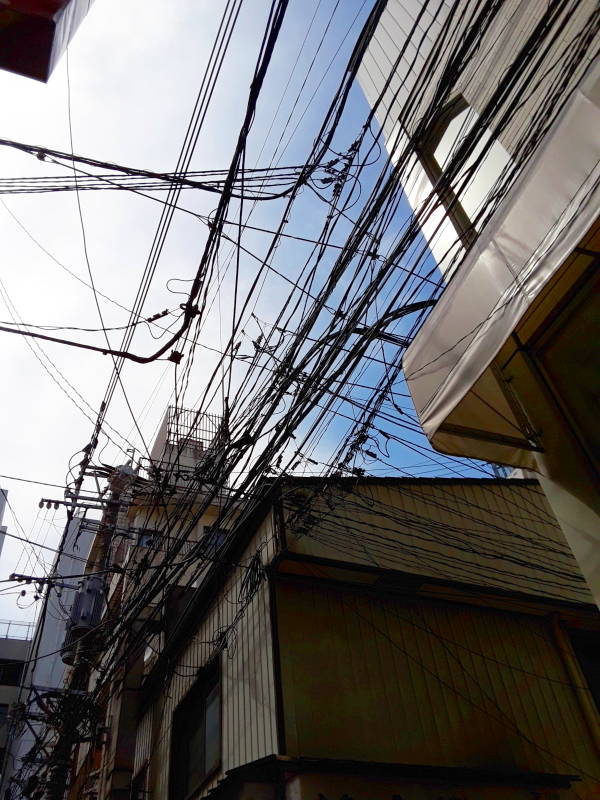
[[10, 629], [187, 426]]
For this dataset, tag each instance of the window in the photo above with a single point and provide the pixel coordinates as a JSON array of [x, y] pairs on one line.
[[10, 673], [587, 649], [487, 168], [146, 537], [454, 225], [139, 787], [196, 734], [214, 538]]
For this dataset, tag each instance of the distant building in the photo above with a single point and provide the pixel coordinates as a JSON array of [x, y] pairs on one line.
[[15, 641], [501, 157], [44, 678], [129, 536]]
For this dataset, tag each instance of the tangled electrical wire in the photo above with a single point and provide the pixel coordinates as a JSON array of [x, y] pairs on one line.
[[362, 284]]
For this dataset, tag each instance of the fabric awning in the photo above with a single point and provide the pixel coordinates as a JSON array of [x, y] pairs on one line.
[[448, 367]]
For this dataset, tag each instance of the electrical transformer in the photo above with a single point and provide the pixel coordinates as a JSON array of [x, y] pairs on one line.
[[86, 613]]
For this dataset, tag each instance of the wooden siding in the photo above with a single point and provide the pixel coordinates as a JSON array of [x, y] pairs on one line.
[[494, 534], [377, 679], [248, 716]]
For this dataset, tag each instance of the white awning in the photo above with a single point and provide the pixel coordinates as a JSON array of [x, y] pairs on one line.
[[541, 220]]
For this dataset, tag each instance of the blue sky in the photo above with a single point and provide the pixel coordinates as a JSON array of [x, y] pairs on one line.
[[134, 71]]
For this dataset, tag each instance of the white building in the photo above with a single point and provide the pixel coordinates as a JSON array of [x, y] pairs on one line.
[[491, 113]]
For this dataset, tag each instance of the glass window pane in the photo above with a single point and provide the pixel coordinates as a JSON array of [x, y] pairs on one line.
[[213, 729], [195, 760], [196, 742], [473, 195]]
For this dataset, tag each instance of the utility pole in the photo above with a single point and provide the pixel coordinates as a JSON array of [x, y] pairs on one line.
[[83, 658]]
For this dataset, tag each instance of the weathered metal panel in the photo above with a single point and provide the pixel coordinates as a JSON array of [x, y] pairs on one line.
[[492, 534], [249, 729], [378, 679], [143, 743]]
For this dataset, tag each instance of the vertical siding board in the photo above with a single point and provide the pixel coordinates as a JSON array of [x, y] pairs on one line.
[[247, 684], [560, 702], [522, 701], [379, 648], [269, 742], [238, 663], [403, 636], [439, 676], [407, 697], [288, 676], [340, 654], [411, 698], [494, 732], [143, 741], [500, 705], [439, 624], [262, 677], [253, 710], [254, 644], [362, 687]]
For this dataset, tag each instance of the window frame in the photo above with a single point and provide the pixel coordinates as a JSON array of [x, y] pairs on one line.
[[214, 538], [425, 151], [193, 706], [11, 672]]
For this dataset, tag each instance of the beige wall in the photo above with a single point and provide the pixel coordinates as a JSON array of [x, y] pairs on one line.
[[495, 534], [385, 680], [554, 373]]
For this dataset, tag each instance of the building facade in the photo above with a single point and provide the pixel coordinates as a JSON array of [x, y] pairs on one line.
[[380, 638], [43, 675], [15, 641], [491, 110]]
